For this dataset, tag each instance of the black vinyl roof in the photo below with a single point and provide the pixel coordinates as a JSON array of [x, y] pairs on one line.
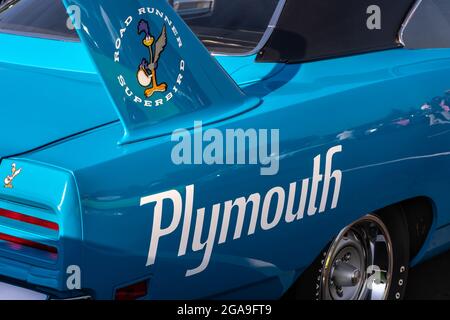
[[319, 29]]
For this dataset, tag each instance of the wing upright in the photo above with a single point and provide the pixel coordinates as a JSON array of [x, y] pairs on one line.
[[196, 85]]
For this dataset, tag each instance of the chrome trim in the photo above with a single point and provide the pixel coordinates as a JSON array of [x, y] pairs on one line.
[[270, 28], [13, 292], [407, 20], [87, 297]]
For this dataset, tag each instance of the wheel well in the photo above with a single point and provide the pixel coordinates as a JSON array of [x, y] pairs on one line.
[[418, 213], [419, 216]]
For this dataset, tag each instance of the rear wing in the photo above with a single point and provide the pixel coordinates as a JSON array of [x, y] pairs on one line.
[[158, 74]]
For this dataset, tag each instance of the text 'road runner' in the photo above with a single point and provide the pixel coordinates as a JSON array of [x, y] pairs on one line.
[[255, 205]]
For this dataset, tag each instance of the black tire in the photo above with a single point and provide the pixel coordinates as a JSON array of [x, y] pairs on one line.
[[309, 285]]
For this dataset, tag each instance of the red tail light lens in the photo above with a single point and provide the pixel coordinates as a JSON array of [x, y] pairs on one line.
[[29, 219], [28, 243], [132, 292]]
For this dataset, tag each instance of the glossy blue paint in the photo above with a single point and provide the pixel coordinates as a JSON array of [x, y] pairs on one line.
[[386, 109], [40, 98], [245, 71]]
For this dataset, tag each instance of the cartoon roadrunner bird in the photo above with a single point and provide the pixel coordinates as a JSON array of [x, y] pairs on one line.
[[9, 179], [147, 71]]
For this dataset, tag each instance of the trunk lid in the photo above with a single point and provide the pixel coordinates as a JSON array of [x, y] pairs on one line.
[[49, 90]]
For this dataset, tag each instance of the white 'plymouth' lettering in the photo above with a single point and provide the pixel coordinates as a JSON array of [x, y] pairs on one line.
[[260, 215]]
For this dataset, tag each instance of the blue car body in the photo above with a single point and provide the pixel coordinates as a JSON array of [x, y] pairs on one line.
[[87, 167]]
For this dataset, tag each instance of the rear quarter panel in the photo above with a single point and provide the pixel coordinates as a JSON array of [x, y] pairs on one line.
[[385, 109]]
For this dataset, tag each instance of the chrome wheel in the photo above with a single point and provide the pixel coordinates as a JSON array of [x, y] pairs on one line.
[[359, 262]]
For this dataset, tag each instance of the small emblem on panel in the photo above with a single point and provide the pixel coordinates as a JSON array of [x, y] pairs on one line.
[[9, 178]]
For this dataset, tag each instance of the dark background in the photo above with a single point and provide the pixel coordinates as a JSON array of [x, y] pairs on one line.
[[430, 280]]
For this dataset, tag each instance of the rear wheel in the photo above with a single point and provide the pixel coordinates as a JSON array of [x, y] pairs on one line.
[[368, 260]]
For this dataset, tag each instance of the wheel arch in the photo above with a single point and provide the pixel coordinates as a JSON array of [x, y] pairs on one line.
[[419, 214]]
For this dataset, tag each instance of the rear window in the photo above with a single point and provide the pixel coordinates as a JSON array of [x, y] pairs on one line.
[[224, 26], [229, 26], [41, 18]]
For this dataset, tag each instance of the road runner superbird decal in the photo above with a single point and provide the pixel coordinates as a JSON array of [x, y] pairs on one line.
[[155, 94], [14, 173], [259, 211]]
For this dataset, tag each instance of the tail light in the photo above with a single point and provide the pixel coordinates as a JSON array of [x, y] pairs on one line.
[[17, 243], [132, 292], [29, 219], [27, 243]]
